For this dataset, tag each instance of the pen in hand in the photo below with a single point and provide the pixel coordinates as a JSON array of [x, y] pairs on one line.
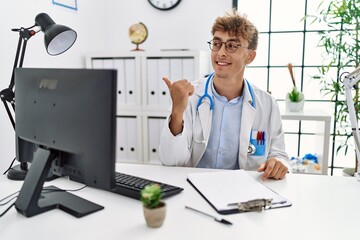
[[220, 220]]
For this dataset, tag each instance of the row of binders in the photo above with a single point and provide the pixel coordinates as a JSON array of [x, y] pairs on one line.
[[126, 75], [154, 69], [172, 68], [128, 144]]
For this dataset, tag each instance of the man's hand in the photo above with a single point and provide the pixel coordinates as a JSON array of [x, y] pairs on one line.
[[179, 92], [272, 168]]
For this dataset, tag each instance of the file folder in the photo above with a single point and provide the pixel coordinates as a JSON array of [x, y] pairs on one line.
[[130, 80], [164, 71], [97, 64], [121, 140], [131, 136], [176, 72], [153, 81], [155, 125], [235, 191], [188, 69], [119, 65]]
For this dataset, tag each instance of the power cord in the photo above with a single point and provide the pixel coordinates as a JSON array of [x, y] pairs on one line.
[[2, 203], [1, 200], [3, 213], [11, 164]]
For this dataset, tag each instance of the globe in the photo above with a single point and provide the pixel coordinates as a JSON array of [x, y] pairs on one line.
[[138, 34]]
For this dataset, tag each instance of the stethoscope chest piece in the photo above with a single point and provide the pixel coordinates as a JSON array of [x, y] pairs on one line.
[[251, 149]]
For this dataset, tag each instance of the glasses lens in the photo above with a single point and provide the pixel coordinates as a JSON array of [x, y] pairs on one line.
[[215, 45], [231, 46]]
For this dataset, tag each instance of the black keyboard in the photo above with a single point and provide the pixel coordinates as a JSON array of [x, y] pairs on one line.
[[131, 186]]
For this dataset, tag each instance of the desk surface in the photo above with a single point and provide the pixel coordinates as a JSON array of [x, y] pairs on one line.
[[324, 207]]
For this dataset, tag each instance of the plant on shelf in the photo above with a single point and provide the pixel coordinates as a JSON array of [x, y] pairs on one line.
[[294, 100], [340, 44], [154, 208], [295, 95]]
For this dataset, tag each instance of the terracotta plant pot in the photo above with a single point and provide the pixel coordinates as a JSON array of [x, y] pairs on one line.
[[155, 216]]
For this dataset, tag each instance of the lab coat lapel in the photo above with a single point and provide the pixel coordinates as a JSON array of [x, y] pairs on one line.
[[247, 120]]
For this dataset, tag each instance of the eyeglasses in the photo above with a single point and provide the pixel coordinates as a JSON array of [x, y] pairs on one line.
[[230, 46]]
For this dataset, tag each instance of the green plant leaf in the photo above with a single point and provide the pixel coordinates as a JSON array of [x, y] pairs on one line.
[[151, 195], [341, 52]]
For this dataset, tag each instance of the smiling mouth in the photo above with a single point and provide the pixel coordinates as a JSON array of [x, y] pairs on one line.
[[222, 63]]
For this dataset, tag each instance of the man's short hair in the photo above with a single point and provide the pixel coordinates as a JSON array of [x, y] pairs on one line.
[[237, 25]]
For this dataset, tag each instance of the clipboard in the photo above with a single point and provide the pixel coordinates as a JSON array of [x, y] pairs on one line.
[[235, 191]]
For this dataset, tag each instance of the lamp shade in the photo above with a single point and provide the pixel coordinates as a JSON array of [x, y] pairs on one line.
[[58, 38]]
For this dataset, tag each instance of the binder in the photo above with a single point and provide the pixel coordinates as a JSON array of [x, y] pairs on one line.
[[153, 81], [121, 140], [176, 72], [164, 71], [154, 139], [97, 63], [130, 80], [108, 63], [155, 126], [119, 65], [131, 136], [188, 69], [235, 191]]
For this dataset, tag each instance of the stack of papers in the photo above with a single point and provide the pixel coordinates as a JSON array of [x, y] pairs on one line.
[[231, 187]]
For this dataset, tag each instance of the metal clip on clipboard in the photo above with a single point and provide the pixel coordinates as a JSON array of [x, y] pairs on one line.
[[256, 205]]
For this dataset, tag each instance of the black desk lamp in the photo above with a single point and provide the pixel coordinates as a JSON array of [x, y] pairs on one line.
[[58, 39]]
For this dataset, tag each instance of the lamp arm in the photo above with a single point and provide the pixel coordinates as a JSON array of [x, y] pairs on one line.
[[349, 82], [24, 35], [7, 95]]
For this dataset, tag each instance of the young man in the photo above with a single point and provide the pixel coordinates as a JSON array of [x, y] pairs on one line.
[[224, 121]]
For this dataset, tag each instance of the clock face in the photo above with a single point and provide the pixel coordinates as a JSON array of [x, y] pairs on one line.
[[164, 4]]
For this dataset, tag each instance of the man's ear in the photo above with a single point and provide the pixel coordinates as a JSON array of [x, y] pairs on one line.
[[251, 56]]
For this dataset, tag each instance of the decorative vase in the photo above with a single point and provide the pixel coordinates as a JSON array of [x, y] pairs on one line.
[[155, 216], [294, 106]]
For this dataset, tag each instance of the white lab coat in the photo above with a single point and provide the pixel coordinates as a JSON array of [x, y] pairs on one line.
[[186, 150]]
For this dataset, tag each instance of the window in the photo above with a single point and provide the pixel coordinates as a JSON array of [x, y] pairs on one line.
[[284, 38]]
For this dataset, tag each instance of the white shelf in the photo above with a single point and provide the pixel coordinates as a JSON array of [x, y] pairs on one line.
[[307, 114], [150, 99]]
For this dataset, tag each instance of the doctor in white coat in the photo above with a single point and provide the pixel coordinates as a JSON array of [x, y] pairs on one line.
[[223, 121]]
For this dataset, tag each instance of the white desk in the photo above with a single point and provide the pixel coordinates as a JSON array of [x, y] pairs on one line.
[[324, 207]]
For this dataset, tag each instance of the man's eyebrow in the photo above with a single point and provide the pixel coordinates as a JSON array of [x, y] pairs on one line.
[[231, 39]]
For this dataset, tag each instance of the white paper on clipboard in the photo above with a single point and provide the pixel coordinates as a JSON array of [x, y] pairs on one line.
[[222, 188]]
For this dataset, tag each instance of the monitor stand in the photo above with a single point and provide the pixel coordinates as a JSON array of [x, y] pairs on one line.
[[33, 199]]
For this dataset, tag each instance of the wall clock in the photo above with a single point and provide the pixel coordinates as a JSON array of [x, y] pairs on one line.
[[164, 4]]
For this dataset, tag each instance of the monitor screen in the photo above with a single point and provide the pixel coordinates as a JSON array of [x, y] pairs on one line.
[[66, 123]]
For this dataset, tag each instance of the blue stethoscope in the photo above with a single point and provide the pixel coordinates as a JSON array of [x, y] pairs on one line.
[[251, 148]]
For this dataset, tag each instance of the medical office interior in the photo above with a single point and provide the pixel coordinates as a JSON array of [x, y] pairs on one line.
[[103, 42], [318, 140]]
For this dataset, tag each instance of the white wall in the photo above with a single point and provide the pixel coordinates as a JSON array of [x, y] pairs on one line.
[[186, 26], [102, 27]]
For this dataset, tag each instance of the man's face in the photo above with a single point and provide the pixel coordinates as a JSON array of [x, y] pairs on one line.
[[230, 65]]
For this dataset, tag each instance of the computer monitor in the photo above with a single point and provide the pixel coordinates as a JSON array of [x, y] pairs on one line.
[[66, 123]]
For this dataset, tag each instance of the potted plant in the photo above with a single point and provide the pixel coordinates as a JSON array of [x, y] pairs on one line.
[[294, 100], [154, 208], [340, 54]]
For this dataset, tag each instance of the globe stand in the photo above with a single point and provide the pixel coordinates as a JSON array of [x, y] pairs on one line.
[[137, 48]]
